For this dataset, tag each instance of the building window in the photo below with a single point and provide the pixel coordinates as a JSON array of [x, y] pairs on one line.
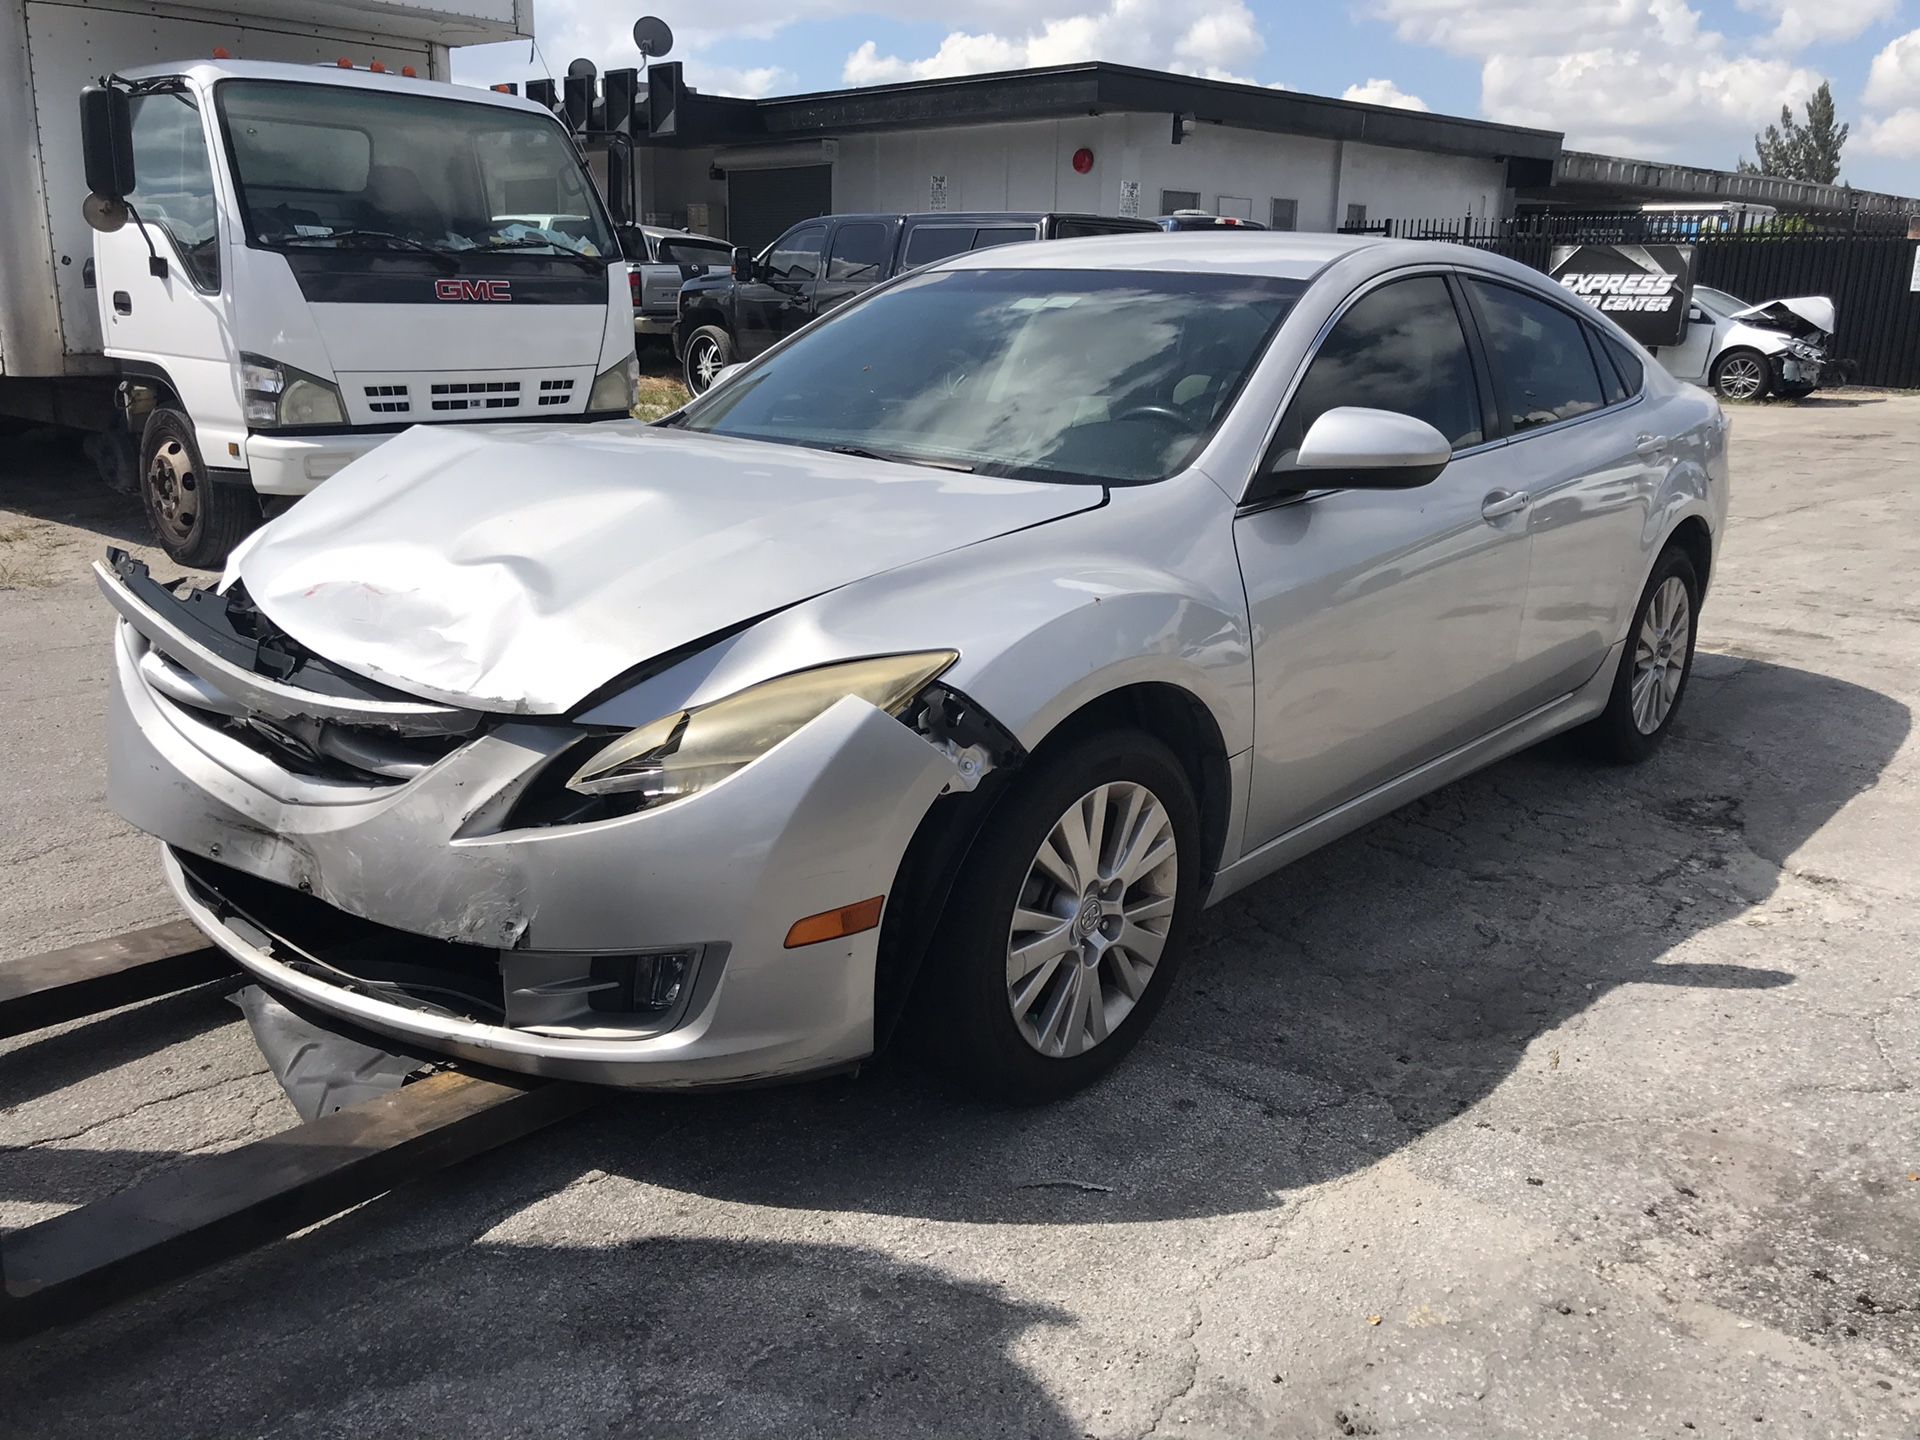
[[1172, 200], [1237, 207], [1285, 215], [1356, 217]]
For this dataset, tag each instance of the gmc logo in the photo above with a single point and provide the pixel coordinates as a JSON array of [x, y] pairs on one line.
[[472, 290]]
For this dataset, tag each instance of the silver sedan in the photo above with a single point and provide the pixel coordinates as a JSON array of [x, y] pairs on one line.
[[929, 673]]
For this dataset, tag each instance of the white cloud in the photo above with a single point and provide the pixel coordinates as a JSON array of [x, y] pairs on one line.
[[752, 82], [1637, 77], [1897, 135], [1202, 37], [1800, 23], [1894, 79], [1384, 92]]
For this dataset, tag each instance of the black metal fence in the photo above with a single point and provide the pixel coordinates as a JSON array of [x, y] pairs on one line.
[[1864, 261]]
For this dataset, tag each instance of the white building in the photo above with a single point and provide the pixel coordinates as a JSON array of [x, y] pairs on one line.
[[1095, 137]]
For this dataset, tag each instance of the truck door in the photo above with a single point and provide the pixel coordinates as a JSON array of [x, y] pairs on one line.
[[175, 323], [774, 307], [856, 261]]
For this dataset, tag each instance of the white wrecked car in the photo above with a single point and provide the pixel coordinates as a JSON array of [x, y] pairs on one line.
[[1748, 352]]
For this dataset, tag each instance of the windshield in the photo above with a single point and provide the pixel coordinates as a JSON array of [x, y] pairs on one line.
[[1718, 302], [327, 167], [1115, 377]]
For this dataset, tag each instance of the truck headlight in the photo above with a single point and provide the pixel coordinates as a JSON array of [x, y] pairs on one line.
[[276, 395], [688, 751], [616, 389]]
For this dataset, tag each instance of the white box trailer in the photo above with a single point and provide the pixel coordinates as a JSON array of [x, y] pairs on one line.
[[300, 229]]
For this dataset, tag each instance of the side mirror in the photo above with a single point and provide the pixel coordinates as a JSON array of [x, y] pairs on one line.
[[1696, 316], [742, 264], [106, 141], [1353, 448], [724, 373]]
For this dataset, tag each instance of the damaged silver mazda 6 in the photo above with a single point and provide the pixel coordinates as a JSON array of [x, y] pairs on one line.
[[936, 668]]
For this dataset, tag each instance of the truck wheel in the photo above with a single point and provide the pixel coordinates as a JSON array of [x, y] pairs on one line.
[[116, 457], [1742, 375], [196, 521], [709, 351]]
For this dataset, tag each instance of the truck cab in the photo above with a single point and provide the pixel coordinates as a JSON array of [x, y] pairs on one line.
[[734, 315], [294, 262]]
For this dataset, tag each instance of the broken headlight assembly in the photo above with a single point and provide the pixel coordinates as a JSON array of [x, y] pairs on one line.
[[278, 396], [688, 751]]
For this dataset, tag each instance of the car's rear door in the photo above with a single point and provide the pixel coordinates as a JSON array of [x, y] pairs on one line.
[[1385, 621], [1590, 455], [857, 259]]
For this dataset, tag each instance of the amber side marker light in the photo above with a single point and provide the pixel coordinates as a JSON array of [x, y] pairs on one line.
[[836, 924]]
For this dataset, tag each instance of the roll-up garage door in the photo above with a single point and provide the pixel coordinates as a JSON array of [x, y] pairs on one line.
[[762, 203]]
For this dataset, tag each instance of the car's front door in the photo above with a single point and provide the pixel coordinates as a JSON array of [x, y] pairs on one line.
[[781, 301], [1384, 621]]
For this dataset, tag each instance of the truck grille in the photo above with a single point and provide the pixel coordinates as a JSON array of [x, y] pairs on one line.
[[477, 395]]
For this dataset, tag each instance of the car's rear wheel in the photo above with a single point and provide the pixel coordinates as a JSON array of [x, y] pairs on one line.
[[1652, 678], [1067, 923], [709, 351], [1742, 375], [195, 520]]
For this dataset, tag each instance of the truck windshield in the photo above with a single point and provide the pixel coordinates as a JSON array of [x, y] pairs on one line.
[[326, 166], [1109, 377]]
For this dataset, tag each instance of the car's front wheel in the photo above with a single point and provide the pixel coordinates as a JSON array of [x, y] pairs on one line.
[[1652, 678], [1066, 925], [1742, 375], [709, 351]]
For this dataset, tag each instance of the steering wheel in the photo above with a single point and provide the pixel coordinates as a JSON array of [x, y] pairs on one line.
[[1165, 414]]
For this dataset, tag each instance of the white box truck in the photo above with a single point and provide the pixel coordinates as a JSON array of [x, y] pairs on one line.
[[288, 256]]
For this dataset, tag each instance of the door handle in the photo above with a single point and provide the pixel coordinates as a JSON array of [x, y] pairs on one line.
[[1650, 445], [1504, 502], [122, 303]]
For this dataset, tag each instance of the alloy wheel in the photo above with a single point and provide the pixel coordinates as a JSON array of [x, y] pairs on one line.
[[706, 363], [1660, 654], [1741, 378], [1092, 919], [174, 487]]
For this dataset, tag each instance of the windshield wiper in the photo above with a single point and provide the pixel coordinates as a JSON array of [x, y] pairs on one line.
[[404, 242], [932, 462], [560, 252]]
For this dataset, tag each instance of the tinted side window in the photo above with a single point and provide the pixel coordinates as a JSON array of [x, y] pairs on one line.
[[693, 252], [173, 180], [1610, 381], [859, 252], [1542, 369], [797, 256], [1003, 235], [1398, 348], [1632, 373], [929, 243]]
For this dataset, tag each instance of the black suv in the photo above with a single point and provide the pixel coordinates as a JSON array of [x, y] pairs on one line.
[[824, 262]]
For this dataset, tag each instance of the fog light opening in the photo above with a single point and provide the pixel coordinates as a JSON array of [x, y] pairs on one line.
[[836, 924]]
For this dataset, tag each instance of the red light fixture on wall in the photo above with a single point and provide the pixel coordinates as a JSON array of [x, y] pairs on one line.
[[1082, 160]]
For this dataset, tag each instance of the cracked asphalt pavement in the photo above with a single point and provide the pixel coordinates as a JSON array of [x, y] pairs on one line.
[[1568, 1101]]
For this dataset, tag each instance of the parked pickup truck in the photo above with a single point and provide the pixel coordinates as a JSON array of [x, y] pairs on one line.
[[735, 314], [659, 261]]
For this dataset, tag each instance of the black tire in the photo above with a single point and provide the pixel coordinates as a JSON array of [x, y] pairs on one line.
[[1794, 392], [962, 1001], [708, 349], [1616, 735], [1740, 362], [195, 520]]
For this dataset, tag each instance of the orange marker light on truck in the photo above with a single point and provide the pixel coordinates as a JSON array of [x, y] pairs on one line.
[[836, 924], [408, 71], [377, 67]]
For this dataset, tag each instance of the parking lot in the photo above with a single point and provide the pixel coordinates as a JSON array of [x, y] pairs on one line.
[[1568, 1101]]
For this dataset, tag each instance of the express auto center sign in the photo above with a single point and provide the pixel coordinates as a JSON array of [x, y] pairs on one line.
[[1642, 288]]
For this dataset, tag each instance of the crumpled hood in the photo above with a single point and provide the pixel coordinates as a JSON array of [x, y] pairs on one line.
[[1804, 316], [518, 569]]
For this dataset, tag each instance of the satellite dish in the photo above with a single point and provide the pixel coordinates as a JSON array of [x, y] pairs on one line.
[[652, 37], [103, 213], [582, 69]]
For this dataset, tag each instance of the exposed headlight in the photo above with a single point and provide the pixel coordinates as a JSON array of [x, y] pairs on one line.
[[278, 395], [616, 389], [688, 751]]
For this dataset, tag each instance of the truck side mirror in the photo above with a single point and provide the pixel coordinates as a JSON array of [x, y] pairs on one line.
[[742, 264], [106, 141]]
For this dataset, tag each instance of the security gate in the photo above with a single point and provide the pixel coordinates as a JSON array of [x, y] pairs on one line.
[[763, 203]]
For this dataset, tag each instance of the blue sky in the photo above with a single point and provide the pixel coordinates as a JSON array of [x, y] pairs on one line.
[[1657, 79]]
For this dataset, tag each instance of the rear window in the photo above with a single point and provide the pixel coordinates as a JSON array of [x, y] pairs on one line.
[[678, 251], [1003, 235]]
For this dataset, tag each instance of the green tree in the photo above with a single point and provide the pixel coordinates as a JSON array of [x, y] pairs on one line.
[[1801, 150]]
